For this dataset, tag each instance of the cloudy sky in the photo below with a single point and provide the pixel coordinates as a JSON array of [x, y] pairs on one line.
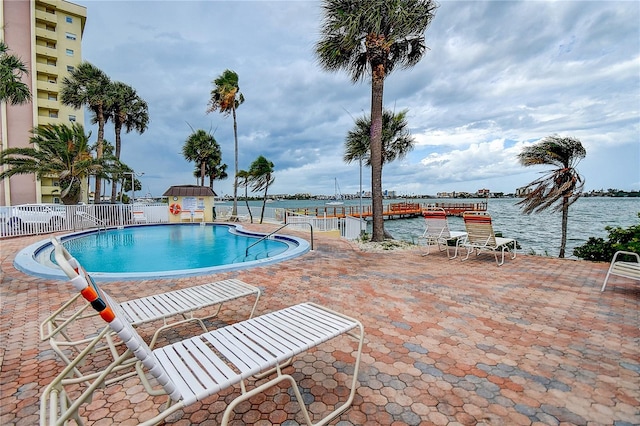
[[499, 75]]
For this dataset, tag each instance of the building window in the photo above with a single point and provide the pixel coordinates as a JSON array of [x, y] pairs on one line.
[[72, 118], [71, 36], [70, 68], [69, 52], [51, 62], [69, 19], [52, 97], [53, 114], [52, 80]]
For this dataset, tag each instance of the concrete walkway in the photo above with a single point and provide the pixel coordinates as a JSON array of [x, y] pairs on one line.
[[447, 342]]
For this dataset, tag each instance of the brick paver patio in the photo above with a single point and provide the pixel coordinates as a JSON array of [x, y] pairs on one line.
[[447, 342]]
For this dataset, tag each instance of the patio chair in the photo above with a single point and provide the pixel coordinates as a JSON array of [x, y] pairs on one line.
[[437, 232], [139, 217], [198, 216], [623, 268], [186, 215], [481, 238], [172, 308], [197, 367]]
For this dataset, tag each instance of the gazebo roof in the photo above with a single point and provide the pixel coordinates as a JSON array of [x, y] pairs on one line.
[[189, 191]]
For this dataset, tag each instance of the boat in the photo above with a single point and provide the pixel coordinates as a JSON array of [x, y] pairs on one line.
[[337, 198]]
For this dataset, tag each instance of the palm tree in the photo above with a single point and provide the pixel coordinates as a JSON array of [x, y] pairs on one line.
[[396, 138], [226, 97], [125, 108], [12, 89], [562, 185], [245, 177], [57, 150], [88, 86], [374, 37], [261, 176], [213, 170], [200, 147]]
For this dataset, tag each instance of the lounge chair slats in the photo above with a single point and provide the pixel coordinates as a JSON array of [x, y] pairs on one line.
[[623, 268], [186, 300], [197, 367], [481, 237], [437, 232], [198, 371], [172, 308]]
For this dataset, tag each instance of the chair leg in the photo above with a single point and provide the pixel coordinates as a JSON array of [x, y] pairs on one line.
[[469, 250], [427, 246], [605, 280]]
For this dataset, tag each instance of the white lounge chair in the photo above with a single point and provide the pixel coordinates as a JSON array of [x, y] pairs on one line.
[[195, 368], [627, 269], [481, 238], [172, 308], [139, 217], [186, 215], [437, 232], [198, 216]]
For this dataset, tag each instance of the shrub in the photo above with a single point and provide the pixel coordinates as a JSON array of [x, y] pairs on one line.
[[599, 249]]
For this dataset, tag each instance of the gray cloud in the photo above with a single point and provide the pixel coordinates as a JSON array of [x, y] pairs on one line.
[[498, 75]]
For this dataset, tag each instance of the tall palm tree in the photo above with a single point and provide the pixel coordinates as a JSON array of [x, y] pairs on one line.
[[562, 185], [57, 150], [261, 176], [245, 181], [12, 89], [88, 86], [226, 97], [397, 141], [200, 147], [125, 108], [374, 37]]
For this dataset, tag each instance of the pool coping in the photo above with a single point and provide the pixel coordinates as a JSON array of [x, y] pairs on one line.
[[26, 260]]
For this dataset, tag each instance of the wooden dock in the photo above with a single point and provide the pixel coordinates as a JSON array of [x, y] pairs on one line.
[[391, 211]]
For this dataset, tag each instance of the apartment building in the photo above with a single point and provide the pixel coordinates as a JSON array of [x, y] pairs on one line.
[[47, 36]]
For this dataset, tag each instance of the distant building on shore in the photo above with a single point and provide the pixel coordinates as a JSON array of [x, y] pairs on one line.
[[523, 191]]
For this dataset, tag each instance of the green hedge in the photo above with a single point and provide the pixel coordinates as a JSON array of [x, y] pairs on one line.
[[599, 249]]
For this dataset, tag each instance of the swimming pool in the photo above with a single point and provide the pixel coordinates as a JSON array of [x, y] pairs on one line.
[[162, 251]]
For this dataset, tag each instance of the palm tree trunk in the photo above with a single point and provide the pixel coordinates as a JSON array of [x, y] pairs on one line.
[[114, 183], [377, 86], [235, 177], [565, 220], [99, 153], [246, 200], [264, 203]]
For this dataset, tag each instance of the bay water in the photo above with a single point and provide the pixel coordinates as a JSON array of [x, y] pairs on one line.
[[536, 233]]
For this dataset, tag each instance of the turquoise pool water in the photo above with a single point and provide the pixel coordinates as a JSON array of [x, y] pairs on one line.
[[157, 251]]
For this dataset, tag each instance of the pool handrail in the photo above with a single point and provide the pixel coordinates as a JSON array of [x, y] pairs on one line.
[[246, 252]]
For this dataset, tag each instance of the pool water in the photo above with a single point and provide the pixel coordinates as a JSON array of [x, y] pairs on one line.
[[162, 251], [160, 248]]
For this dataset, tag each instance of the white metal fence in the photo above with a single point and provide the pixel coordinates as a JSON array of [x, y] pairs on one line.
[[350, 227], [353, 228], [34, 219]]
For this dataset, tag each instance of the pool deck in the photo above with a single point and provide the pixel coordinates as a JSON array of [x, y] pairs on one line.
[[447, 342]]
